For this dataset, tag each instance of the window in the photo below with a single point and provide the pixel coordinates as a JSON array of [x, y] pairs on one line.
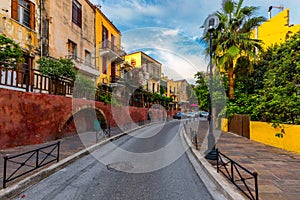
[[23, 12], [105, 37], [104, 65], [76, 13], [72, 50], [87, 56], [153, 87]]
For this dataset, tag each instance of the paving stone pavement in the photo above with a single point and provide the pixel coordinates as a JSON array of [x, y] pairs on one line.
[[278, 170]]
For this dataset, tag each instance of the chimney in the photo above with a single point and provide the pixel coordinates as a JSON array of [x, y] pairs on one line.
[[269, 12]]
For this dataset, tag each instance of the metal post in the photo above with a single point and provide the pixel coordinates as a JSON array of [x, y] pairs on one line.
[[232, 176], [256, 184], [58, 148], [218, 169], [196, 140], [37, 159], [4, 172], [211, 151]]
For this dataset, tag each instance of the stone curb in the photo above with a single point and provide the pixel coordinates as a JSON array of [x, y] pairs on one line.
[[228, 190], [21, 186]]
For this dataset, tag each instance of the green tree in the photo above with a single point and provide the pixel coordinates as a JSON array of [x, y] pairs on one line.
[[84, 87], [58, 71], [281, 92], [161, 90], [201, 91], [232, 39], [271, 92], [11, 54]]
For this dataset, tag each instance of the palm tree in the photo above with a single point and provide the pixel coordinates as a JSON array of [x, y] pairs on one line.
[[232, 39]]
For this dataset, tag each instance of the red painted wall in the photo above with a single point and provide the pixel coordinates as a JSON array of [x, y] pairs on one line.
[[33, 118]]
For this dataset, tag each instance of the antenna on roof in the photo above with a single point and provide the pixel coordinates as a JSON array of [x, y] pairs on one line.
[[271, 7]]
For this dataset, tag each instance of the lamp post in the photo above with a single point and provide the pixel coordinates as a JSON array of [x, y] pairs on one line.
[[210, 24]]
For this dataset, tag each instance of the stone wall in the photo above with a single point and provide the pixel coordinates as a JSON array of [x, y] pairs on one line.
[[33, 118]]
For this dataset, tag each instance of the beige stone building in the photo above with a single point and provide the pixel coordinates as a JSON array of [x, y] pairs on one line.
[[19, 20], [151, 70], [177, 90], [68, 31]]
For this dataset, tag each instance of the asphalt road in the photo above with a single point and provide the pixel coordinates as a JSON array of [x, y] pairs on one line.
[[150, 163]]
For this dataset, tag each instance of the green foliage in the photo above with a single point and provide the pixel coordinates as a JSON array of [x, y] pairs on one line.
[[57, 69], [11, 54], [282, 130], [106, 98], [281, 92], [84, 87], [270, 92], [161, 90], [201, 91], [104, 94]]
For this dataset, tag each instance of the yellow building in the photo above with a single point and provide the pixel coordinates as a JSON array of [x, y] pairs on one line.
[[20, 23], [276, 30], [151, 70], [109, 53], [177, 90]]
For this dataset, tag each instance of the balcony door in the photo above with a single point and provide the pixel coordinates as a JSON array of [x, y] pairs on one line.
[[113, 72], [113, 38], [104, 36]]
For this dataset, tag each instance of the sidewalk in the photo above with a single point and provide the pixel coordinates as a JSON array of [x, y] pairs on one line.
[[68, 146], [278, 170]]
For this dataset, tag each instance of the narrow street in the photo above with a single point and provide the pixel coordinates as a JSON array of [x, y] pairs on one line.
[[150, 163]]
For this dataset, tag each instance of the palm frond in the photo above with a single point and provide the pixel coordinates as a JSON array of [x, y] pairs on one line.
[[252, 23]]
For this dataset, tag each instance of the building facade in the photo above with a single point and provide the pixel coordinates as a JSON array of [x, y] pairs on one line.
[[109, 53], [20, 22], [68, 31], [276, 30], [151, 70]]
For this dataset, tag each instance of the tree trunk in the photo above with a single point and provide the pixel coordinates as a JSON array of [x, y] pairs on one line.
[[231, 83]]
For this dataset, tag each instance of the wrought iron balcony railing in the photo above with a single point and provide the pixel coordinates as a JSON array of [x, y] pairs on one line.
[[108, 45]]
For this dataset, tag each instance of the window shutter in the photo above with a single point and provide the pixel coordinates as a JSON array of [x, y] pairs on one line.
[[14, 10], [32, 15]]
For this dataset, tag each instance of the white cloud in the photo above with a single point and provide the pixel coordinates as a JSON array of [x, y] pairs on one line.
[[175, 34], [180, 55], [171, 32]]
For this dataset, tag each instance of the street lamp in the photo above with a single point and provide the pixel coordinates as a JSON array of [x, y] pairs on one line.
[[210, 24]]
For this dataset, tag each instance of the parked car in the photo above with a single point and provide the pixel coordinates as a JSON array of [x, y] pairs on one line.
[[178, 115], [204, 114], [190, 114]]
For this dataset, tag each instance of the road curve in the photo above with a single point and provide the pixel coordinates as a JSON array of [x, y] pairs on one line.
[[150, 163]]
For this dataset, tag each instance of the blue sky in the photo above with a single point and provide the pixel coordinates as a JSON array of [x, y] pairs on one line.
[[168, 29]]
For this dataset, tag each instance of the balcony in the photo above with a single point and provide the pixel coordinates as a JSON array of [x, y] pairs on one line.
[[84, 65], [114, 79], [112, 52], [155, 77]]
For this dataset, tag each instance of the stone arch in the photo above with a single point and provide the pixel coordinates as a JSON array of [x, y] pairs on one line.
[[82, 121]]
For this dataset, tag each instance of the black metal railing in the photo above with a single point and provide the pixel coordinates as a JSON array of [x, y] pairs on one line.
[[30, 160], [238, 175]]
